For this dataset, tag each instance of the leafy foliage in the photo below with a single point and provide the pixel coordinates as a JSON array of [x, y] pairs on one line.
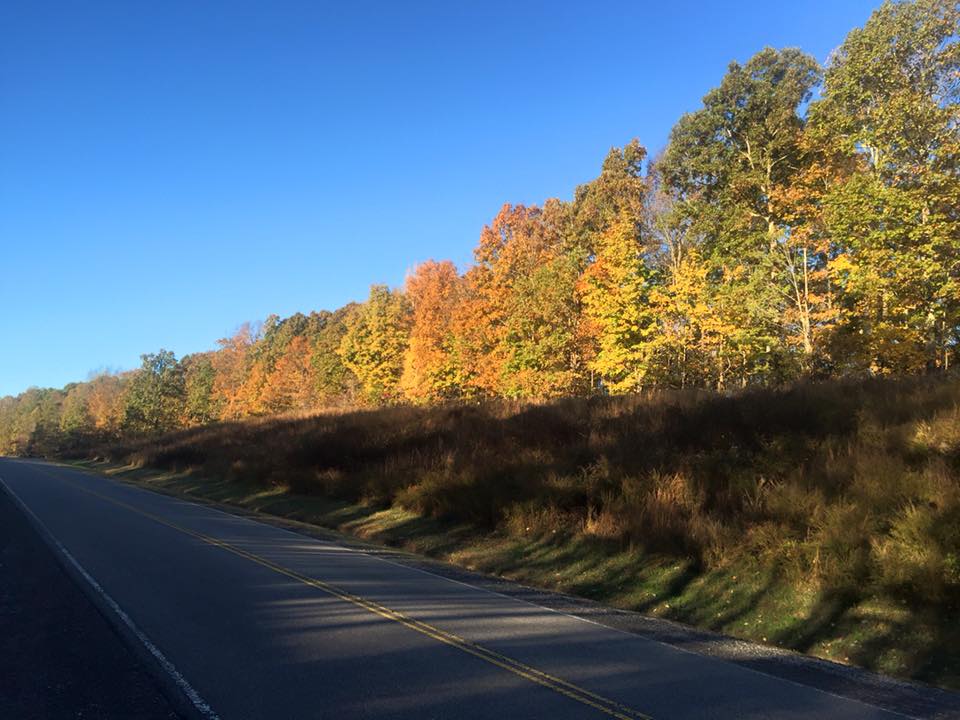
[[154, 401], [804, 222], [374, 344]]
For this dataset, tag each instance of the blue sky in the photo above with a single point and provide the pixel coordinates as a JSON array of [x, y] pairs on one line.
[[169, 170]]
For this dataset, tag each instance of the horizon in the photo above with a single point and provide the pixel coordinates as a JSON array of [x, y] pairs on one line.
[[171, 175]]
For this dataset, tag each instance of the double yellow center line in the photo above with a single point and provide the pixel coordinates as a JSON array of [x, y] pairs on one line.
[[602, 704]]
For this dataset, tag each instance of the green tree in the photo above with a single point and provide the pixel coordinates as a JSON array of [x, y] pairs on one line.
[[154, 400], [542, 339], [618, 191], [30, 422], [335, 381], [888, 123], [728, 165], [200, 404]]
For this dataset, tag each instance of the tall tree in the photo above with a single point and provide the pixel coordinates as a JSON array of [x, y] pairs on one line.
[[75, 419], [336, 384], [619, 191], [679, 297], [155, 397], [231, 364], [433, 369], [200, 404], [889, 123], [105, 401], [615, 290], [518, 322], [292, 383], [375, 342], [729, 164], [600, 210]]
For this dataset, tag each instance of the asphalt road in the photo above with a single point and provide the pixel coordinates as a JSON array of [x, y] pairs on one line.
[[249, 620], [59, 657]]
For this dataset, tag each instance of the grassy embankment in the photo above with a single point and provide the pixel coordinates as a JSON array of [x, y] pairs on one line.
[[824, 518]]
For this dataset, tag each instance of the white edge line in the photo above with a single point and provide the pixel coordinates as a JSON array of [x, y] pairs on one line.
[[181, 682], [370, 555]]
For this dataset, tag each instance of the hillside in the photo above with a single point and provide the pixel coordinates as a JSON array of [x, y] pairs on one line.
[[824, 517]]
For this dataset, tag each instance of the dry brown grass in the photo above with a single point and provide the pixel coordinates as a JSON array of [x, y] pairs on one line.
[[857, 479], [849, 491]]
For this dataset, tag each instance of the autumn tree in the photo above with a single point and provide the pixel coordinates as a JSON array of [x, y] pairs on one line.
[[728, 165], [375, 342], [888, 124], [687, 333], [432, 367], [544, 342], [602, 210], [104, 399], [678, 297], [249, 398], [519, 320], [30, 423], [231, 364], [619, 191], [614, 290], [75, 418], [9, 414], [291, 384]]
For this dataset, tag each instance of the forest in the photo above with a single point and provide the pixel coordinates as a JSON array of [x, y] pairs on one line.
[[803, 224]]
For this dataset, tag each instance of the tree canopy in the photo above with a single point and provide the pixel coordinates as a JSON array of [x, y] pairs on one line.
[[803, 222]]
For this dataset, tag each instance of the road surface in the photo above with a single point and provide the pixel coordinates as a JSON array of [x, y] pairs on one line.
[[248, 620], [59, 657]]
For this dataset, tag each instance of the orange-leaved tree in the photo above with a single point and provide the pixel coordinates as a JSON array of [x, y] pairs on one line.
[[292, 385], [518, 322], [432, 368]]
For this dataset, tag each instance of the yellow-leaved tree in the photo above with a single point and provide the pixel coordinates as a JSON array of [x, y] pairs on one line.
[[375, 343], [614, 290]]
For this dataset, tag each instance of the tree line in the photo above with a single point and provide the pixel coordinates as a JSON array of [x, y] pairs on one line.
[[803, 223]]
